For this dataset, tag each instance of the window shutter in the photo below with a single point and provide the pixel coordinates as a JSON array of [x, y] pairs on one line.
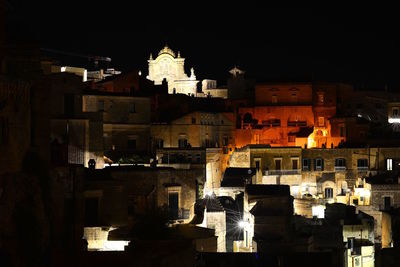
[[322, 164]]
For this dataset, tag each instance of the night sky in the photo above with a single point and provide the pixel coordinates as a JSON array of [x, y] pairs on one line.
[[351, 45]]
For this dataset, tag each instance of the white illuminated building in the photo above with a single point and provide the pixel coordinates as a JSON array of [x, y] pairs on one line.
[[169, 66]]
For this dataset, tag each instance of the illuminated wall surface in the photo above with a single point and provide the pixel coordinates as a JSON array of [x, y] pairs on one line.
[[97, 239]]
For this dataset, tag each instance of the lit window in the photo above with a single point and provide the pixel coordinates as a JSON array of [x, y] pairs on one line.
[[321, 121], [389, 164], [321, 98]]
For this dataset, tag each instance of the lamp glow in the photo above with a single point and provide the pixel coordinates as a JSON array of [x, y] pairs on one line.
[[394, 120], [242, 224]]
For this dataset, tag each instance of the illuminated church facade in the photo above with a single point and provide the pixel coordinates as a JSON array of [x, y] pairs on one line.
[[170, 67]]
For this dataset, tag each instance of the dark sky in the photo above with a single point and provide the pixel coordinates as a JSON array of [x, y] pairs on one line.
[[271, 44]]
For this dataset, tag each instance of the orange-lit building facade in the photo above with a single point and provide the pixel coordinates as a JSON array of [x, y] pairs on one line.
[[292, 114]]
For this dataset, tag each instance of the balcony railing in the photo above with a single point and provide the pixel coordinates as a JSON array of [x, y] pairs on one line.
[[362, 168], [340, 168], [282, 172], [182, 214]]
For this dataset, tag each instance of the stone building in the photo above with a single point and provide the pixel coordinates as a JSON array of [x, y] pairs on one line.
[[15, 123], [75, 136], [267, 214], [196, 129], [297, 114], [126, 125]]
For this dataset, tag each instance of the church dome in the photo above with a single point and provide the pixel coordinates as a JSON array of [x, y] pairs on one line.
[[166, 50]]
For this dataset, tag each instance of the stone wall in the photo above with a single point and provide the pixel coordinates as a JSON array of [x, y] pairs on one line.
[[217, 221]]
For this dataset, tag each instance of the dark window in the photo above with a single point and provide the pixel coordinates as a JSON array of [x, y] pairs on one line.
[[193, 120], [69, 104], [4, 131], [355, 201], [278, 163], [328, 192], [173, 205], [319, 164], [387, 202], [132, 108], [395, 111], [272, 123], [160, 143], [306, 164], [225, 141], [341, 128], [295, 164], [91, 211], [132, 144], [182, 143], [209, 143], [100, 105], [258, 165], [247, 118], [362, 163], [297, 123], [340, 162]]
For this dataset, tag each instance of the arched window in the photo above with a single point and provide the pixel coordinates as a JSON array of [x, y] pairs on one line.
[[247, 118]]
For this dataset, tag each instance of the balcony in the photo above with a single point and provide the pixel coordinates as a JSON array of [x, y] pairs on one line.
[[283, 172], [362, 168], [297, 124], [181, 214], [340, 168]]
